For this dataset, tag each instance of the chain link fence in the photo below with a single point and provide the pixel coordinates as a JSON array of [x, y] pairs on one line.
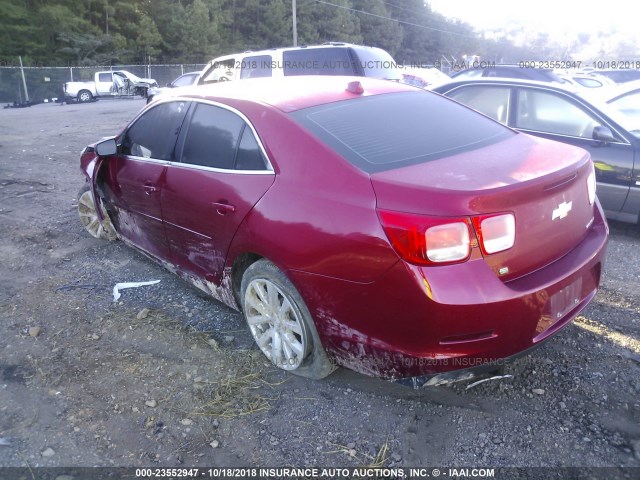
[[46, 82]]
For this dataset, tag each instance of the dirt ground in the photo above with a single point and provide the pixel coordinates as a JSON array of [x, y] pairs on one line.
[[86, 381]]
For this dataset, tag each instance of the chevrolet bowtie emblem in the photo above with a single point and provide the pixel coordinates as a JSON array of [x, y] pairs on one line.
[[562, 211]]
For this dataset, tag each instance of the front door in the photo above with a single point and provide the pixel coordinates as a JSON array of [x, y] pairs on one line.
[[133, 179]]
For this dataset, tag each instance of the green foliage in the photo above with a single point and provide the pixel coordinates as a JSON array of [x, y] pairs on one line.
[[85, 32], [375, 30]]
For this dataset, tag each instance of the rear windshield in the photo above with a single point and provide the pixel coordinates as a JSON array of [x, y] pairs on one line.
[[383, 132], [318, 61]]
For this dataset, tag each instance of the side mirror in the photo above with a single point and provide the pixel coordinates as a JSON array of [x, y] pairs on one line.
[[603, 134], [107, 147]]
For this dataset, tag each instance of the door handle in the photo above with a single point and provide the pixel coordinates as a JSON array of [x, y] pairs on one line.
[[223, 207], [149, 189]]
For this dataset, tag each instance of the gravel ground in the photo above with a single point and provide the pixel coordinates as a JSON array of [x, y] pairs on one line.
[[168, 377]]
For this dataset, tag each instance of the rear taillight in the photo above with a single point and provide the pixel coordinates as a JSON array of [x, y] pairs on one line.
[[427, 240], [496, 233], [591, 185], [448, 243], [423, 240]]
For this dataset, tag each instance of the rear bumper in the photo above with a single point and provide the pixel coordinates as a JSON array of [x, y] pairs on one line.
[[482, 369], [421, 322]]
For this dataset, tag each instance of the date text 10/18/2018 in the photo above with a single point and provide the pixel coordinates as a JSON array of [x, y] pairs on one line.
[[313, 473]]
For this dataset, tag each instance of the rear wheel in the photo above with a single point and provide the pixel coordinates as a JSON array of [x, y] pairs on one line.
[[280, 322], [85, 96], [89, 217]]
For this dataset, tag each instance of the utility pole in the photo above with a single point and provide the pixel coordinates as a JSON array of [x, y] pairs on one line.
[[24, 82], [295, 23]]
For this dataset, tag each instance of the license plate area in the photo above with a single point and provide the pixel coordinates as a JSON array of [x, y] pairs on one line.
[[560, 304]]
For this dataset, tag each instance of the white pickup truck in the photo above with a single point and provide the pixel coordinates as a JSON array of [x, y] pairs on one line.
[[107, 84]]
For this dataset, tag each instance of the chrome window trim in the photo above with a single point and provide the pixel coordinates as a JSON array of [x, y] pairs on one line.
[[221, 170], [542, 132], [146, 160]]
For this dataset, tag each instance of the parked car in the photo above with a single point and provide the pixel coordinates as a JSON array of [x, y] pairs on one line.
[[509, 71], [557, 113], [326, 59], [183, 80], [423, 77], [624, 97], [105, 84], [620, 75], [356, 222]]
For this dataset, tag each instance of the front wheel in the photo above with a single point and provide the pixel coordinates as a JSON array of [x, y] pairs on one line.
[[89, 217], [280, 322]]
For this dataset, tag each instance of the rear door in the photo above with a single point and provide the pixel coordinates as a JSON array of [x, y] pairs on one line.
[[133, 179], [556, 116], [222, 174]]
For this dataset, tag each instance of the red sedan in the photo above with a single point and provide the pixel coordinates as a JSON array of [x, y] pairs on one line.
[[356, 222]]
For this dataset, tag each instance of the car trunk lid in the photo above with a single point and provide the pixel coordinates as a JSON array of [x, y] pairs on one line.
[[543, 184]]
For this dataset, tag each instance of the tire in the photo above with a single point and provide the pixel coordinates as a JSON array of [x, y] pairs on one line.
[[89, 217], [280, 322], [84, 96]]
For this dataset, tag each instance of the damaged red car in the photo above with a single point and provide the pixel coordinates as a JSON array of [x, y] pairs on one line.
[[356, 222]]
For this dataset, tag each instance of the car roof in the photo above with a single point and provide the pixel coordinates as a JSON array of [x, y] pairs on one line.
[[289, 94], [287, 49], [445, 87]]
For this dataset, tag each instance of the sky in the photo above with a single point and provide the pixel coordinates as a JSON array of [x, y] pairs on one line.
[[555, 17]]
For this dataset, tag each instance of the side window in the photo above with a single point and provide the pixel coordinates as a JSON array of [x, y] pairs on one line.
[[105, 77], [318, 61], [220, 72], [185, 80], [490, 100], [155, 133], [212, 137], [256, 67], [551, 113], [249, 154], [376, 63]]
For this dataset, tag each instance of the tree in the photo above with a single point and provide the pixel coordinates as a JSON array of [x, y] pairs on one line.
[[258, 24], [82, 47], [122, 31], [377, 28], [319, 23], [148, 39], [18, 33], [198, 31], [421, 39], [170, 18]]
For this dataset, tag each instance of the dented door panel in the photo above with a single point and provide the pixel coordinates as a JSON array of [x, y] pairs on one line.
[[132, 188], [202, 210]]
